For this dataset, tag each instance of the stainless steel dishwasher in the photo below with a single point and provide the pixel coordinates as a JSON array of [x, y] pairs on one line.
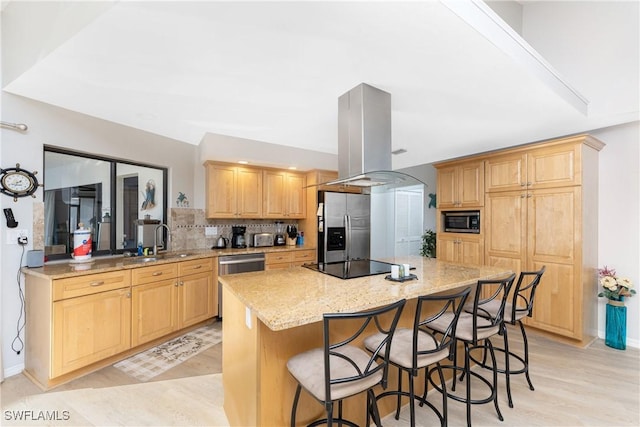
[[232, 264]]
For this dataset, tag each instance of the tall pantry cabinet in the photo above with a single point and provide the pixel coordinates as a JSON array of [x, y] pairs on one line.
[[540, 209]]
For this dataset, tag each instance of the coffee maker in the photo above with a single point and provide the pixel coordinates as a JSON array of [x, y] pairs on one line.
[[279, 239], [237, 237]]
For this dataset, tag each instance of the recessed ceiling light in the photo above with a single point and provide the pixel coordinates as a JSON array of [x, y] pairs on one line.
[[243, 162], [292, 168]]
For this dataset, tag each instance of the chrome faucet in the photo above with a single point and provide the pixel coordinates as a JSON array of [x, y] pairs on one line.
[[155, 238]]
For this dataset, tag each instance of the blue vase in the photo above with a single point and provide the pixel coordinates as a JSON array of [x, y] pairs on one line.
[[616, 329]]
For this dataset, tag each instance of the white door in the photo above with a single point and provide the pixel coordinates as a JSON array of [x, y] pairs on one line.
[[408, 220]]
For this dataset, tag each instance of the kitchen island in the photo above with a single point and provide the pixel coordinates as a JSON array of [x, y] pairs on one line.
[[270, 316]]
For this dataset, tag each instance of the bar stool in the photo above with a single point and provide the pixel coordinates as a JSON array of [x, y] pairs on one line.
[[418, 348], [340, 369], [521, 305], [474, 330]]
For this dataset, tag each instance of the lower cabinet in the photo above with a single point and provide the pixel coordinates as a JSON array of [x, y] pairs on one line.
[[75, 324], [197, 292], [153, 310], [90, 328], [169, 297], [287, 259], [461, 248]]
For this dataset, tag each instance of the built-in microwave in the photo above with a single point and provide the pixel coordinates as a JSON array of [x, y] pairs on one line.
[[461, 221]]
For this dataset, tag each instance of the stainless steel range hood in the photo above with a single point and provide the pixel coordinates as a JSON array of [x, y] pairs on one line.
[[364, 131], [364, 141]]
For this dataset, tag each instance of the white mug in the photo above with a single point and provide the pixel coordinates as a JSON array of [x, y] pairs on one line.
[[395, 271], [407, 267]]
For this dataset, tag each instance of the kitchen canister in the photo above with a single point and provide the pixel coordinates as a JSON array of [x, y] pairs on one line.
[[82, 243]]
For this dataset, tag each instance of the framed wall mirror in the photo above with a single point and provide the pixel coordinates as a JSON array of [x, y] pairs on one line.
[[120, 202]]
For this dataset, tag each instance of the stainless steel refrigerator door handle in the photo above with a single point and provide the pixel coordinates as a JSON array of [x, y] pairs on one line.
[[347, 227]]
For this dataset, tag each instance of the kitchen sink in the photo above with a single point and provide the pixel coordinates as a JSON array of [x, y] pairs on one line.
[[175, 255], [142, 259], [150, 258]]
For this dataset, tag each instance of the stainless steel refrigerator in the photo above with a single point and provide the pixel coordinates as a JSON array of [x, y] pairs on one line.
[[344, 226]]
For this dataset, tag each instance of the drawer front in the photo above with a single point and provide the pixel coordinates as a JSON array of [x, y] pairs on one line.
[[301, 257], [195, 266], [153, 273], [277, 257], [278, 266], [90, 284]]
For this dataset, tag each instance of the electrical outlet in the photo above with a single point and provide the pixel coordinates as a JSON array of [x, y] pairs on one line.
[[211, 231], [13, 234]]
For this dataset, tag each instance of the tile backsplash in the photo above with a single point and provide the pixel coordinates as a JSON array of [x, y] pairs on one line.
[[188, 228]]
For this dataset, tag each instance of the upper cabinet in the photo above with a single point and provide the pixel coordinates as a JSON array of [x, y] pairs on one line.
[[284, 194], [461, 185], [248, 192], [233, 191], [545, 167]]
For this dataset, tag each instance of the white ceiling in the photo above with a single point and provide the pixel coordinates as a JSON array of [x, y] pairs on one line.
[[273, 71]]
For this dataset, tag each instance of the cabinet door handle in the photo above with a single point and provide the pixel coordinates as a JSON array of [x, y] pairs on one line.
[[522, 184], [529, 183], [128, 295], [157, 273], [529, 195], [100, 283], [177, 284], [181, 283], [197, 267], [522, 196]]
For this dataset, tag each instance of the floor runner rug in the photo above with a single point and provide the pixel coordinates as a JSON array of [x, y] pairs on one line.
[[150, 363]]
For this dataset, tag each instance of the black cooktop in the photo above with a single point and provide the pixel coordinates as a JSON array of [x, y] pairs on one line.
[[352, 269]]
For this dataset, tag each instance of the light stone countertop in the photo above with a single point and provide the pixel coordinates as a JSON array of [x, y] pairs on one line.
[[284, 299], [63, 269]]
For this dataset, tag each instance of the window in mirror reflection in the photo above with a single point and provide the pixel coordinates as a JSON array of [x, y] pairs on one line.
[[120, 202]]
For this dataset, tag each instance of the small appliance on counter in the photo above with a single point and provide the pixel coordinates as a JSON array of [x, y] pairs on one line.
[[279, 239], [262, 240], [237, 237], [292, 233], [221, 243]]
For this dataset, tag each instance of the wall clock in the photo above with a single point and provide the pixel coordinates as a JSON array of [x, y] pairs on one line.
[[17, 182]]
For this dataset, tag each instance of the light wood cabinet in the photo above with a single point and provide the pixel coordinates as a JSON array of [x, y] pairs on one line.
[[461, 185], [153, 310], [544, 167], [541, 210], [287, 259], [77, 324], [249, 192], [169, 297], [198, 295], [460, 248], [284, 194], [91, 320], [154, 302], [233, 191]]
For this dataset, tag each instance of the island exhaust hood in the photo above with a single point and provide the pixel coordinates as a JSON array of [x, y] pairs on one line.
[[364, 140]]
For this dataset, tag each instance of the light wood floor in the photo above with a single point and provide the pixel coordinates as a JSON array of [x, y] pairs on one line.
[[596, 386]]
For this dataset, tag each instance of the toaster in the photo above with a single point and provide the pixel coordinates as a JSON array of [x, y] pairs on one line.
[[262, 239]]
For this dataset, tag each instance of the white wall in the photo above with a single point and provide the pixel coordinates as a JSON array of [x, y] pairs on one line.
[[619, 215], [55, 126]]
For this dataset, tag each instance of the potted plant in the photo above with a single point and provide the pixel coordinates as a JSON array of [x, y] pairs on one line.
[[428, 244], [615, 289]]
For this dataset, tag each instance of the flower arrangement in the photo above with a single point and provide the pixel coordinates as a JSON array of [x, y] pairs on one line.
[[614, 287]]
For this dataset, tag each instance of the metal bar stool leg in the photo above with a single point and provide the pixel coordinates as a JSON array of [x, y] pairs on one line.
[[507, 371], [526, 355], [495, 380]]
